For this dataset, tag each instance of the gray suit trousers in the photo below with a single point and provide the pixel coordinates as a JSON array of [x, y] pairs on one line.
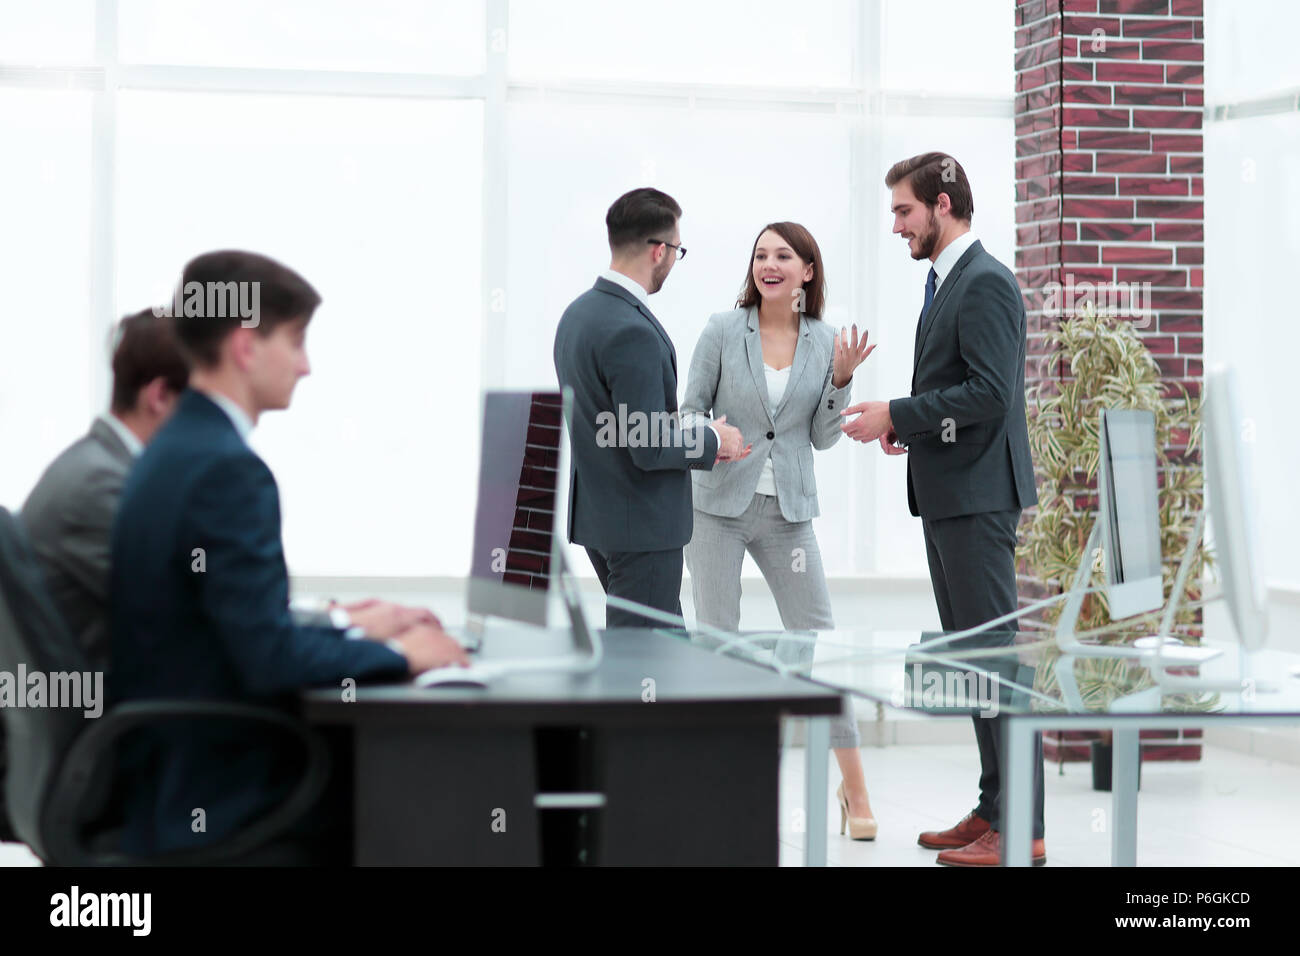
[[786, 553]]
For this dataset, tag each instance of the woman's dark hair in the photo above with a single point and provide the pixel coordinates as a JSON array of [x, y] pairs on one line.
[[806, 248], [932, 173]]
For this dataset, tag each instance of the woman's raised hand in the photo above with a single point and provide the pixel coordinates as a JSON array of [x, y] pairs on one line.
[[849, 354]]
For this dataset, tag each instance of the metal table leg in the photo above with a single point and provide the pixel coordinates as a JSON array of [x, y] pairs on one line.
[[1125, 756], [1017, 791], [816, 767]]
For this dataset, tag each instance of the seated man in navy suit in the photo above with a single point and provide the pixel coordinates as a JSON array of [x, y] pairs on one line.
[[199, 596]]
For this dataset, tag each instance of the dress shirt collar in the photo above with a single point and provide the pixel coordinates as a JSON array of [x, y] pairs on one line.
[[128, 437], [630, 284], [951, 253], [238, 417]]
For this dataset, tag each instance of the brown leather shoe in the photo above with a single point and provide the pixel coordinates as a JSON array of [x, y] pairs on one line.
[[970, 829], [987, 851]]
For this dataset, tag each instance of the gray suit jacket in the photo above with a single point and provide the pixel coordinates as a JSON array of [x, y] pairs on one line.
[[630, 491], [727, 378], [964, 425], [69, 518]]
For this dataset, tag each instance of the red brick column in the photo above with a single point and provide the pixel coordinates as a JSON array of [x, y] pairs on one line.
[[1109, 163]]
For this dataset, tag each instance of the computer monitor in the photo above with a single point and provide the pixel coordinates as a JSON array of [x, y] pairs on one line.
[[1129, 511], [519, 519], [1231, 503]]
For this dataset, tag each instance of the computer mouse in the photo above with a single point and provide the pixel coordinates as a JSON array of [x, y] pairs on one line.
[[451, 677]]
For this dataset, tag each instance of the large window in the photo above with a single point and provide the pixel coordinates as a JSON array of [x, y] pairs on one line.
[[440, 169], [1252, 174], [50, 344], [376, 202]]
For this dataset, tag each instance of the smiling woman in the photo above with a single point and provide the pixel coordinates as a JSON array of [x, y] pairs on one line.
[[788, 263], [781, 376]]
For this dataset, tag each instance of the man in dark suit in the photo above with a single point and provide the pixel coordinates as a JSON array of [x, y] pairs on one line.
[[200, 592], [969, 472], [69, 513], [630, 497]]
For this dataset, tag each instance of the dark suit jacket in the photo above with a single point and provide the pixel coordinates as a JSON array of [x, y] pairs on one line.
[[964, 425], [613, 352], [211, 625], [68, 517]]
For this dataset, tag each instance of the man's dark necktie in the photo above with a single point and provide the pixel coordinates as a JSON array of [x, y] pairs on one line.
[[930, 282]]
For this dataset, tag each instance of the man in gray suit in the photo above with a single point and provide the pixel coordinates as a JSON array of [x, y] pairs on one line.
[[630, 493], [969, 472], [69, 514]]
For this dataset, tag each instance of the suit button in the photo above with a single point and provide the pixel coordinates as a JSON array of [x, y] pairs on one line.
[[771, 435], [830, 404]]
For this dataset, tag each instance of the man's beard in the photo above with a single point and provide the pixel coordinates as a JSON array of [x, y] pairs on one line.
[[930, 239], [660, 274]]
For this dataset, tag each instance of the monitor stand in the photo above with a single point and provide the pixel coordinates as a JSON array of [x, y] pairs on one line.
[[1156, 648], [1159, 653], [1171, 683], [581, 649], [1067, 638]]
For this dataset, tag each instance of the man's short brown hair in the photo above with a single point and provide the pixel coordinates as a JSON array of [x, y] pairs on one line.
[[641, 214], [283, 296], [146, 349], [931, 174]]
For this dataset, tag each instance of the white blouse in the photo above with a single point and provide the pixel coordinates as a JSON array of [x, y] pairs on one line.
[[777, 380]]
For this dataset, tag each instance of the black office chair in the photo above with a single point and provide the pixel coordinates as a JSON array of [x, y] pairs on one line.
[[58, 780]]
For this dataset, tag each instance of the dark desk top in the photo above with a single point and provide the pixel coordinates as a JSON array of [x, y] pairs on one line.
[[690, 683]]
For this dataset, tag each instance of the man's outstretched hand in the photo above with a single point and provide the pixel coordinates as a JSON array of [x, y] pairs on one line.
[[872, 422], [732, 445]]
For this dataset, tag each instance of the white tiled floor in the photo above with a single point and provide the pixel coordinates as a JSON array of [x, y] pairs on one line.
[[1229, 809]]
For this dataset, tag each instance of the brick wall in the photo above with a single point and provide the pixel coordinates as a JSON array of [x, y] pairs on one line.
[[1109, 185]]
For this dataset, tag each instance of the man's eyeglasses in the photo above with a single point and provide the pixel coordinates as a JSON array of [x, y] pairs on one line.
[[681, 250]]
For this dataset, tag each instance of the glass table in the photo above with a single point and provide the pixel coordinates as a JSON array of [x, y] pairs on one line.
[[1024, 676]]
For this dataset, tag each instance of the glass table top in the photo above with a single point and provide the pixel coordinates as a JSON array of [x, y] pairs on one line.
[[1021, 672]]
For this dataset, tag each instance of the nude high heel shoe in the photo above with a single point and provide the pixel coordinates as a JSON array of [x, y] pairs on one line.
[[860, 828]]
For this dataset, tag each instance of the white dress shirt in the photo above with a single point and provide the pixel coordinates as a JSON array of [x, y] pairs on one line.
[[129, 439], [627, 282], [951, 253], [777, 382], [238, 417]]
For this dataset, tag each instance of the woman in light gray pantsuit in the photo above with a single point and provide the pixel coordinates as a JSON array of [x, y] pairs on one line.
[[782, 376]]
